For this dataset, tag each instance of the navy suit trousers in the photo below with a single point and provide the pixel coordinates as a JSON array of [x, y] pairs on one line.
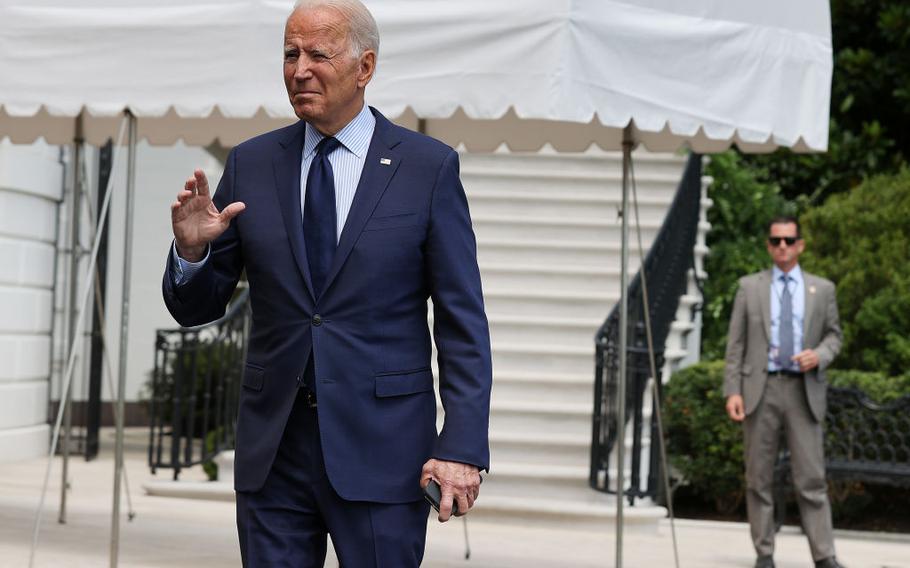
[[285, 524]]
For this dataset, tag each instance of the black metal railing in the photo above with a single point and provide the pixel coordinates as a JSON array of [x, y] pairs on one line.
[[666, 269], [864, 441], [195, 388]]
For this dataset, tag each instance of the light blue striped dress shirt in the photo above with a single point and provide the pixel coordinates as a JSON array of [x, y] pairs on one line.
[[798, 302], [347, 165]]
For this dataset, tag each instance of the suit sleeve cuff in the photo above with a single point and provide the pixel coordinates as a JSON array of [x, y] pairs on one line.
[[182, 270]]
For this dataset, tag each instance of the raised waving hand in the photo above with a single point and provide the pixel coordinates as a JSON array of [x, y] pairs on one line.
[[196, 220]]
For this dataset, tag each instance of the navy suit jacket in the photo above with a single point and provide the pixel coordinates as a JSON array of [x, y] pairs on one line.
[[407, 238]]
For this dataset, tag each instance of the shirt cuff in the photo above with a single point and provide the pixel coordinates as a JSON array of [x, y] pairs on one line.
[[182, 271]]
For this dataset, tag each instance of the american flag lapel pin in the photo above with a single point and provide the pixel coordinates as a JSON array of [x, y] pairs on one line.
[[385, 161]]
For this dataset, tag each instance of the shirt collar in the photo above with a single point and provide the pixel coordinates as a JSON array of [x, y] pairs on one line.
[[796, 274], [355, 136]]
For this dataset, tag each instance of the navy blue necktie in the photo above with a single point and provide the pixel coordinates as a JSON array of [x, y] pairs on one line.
[[319, 216]]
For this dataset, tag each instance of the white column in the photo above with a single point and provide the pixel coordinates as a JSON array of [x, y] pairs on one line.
[[30, 190]]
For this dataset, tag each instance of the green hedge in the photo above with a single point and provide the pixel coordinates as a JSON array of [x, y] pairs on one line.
[[861, 241], [877, 386], [705, 447]]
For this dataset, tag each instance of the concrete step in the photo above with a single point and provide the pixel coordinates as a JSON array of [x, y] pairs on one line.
[[557, 304], [561, 206], [524, 447], [563, 419], [526, 358], [511, 386], [592, 162], [568, 503], [580, 278], [526, 479], [564, 230], [536, 329], [541, 253], [587, 509], [548, 303]]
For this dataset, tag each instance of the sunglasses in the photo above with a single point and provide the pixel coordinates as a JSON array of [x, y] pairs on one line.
[[775, 241]]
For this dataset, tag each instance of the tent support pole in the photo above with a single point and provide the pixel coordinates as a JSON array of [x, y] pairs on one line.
[[124, 329], [623, 345], [75, 253]]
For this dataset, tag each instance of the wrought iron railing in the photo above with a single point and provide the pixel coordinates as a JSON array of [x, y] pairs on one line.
[[864, 441], [195, 389], [666, 269]]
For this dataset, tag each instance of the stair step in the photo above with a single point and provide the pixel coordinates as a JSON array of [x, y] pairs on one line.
[[581, 278], [533, 358], [542, 417], [556, 205], [597, 170], [549, 303], [512, 386], [538, 448], [588, 509], [551, 253]]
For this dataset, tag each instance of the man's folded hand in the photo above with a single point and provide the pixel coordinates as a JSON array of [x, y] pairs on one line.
[[458, 482]]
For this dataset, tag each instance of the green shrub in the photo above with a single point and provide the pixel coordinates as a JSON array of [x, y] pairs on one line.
[[739, 217], [861, 241], [703, 444], [878, 386]]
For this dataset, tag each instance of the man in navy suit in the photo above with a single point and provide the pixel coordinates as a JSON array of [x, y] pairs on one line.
[[345, 225]]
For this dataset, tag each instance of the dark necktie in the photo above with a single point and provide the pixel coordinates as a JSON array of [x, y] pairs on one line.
[[319, 216], [786, 326]]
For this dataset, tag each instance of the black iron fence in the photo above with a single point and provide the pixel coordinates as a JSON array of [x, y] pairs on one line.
[[195, 388], [666, 266], [864, 441]]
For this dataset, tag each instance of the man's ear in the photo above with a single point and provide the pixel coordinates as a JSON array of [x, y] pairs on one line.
[[366, 67]]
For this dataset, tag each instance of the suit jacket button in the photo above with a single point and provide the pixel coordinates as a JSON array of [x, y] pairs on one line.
[[317, 320]]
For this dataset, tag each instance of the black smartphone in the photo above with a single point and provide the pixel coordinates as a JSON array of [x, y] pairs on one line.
[[433, 494]]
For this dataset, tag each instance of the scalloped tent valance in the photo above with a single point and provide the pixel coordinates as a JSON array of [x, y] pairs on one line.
[[705, 73]]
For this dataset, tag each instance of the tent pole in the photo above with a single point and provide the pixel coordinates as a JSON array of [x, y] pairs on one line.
[[75, 252], [124, 329], [623, 344]]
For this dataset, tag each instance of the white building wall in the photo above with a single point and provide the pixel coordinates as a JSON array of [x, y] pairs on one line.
[[160, 173], [31, 181]]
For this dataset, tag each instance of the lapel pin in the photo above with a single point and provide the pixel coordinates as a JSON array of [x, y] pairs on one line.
[[811, 289], [385, 161]]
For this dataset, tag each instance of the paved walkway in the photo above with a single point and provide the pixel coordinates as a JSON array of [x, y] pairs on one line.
[[199, 534]]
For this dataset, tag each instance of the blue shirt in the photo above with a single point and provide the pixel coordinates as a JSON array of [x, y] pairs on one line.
[[347, 165], [794, 280]]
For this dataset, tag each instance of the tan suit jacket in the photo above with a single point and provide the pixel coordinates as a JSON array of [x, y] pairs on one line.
[[746, 359]]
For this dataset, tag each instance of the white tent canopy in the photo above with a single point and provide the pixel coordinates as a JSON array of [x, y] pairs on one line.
[[481, 72], [571, 73]]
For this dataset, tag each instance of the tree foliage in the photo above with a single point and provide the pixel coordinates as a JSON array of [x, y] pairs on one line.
[[861, 241], [870, 106], [739, 217]]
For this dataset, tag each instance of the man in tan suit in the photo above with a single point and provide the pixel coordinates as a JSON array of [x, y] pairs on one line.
[[784, 332]]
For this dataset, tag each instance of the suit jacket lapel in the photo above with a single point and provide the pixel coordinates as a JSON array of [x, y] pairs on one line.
[[764, 298], [381, 164], [287, 181], [808, 306]]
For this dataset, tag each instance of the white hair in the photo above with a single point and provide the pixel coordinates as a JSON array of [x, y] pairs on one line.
[[363, 33]]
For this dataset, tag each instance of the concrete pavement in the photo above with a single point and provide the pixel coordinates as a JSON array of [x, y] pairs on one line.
[[199, 534]]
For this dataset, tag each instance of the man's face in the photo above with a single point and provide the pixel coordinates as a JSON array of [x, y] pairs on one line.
[[785, 255], [324, 81]]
